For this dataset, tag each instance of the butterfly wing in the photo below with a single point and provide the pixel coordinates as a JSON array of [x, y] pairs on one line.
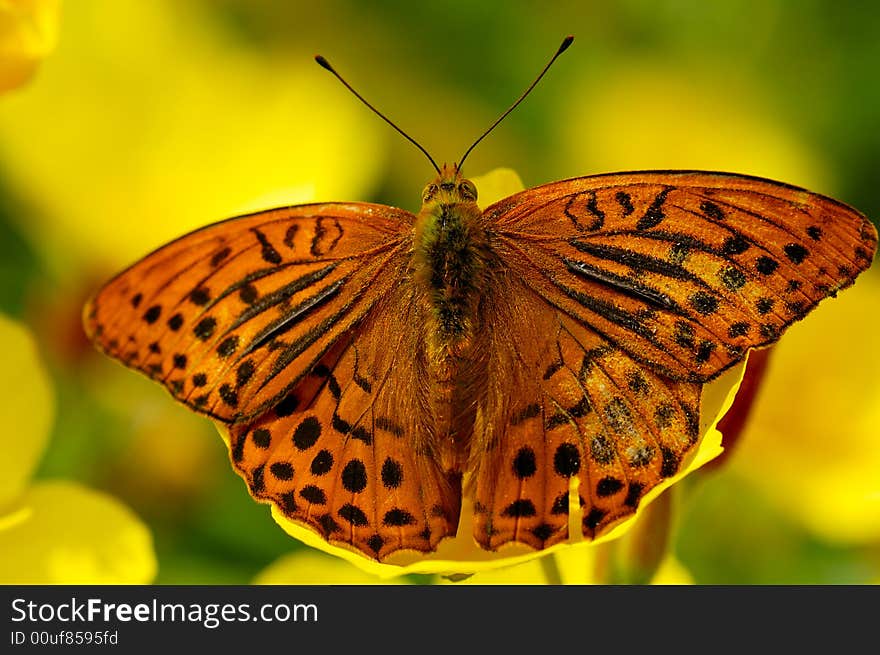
[[623, 294], [298, 327], [349, 453], [569, 407], [230, 317], [684, 270]]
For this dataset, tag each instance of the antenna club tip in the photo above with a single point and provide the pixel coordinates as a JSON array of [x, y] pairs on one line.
[[323, 63], [567, 41]]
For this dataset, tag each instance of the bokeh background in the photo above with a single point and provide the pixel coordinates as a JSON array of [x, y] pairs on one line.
[[126, 123]]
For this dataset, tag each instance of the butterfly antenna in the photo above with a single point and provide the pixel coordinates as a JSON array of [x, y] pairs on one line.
[[562, 48], [326, 64]]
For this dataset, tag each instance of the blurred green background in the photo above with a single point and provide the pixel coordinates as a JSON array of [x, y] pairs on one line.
[[151, 118]]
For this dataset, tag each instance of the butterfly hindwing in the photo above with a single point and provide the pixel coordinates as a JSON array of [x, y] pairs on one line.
[[229, 317], [684, 270], [580, 410], [348, 452]]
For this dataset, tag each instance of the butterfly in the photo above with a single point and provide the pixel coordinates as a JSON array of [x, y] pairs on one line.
[[375, 366]]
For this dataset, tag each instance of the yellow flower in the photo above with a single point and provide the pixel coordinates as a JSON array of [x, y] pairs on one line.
[[460, 556], [591, 565], [310, 567], [572, 567], [28, 32], [672, 572], [54, 532]]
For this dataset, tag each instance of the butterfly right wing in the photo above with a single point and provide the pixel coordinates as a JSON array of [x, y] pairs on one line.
[[349, 453], [622, 294], [231, 316]]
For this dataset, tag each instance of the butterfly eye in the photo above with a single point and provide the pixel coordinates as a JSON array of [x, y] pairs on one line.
[[429, 192], [467, 190]]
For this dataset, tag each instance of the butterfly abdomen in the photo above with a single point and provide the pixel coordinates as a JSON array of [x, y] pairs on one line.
[[450, 264]]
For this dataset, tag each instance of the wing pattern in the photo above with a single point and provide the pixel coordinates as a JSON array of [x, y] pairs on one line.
[[230, 317], [629, 292], [684, 270], [578, 408], [612, 300], [348, 453]]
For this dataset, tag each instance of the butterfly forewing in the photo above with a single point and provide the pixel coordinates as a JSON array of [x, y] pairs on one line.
[[684, 270], [231, 316]]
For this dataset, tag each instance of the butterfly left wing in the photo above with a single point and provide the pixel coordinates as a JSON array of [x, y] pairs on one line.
[[231, 316]]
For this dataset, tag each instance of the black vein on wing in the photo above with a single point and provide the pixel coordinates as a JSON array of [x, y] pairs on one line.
[[623, 284], [637, 261], [293, 350], [624, 315]]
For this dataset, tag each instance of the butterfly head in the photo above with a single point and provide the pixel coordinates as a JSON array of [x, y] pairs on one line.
[[448, 188]]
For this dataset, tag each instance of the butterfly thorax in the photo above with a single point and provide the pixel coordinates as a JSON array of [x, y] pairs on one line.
[[450, 258]]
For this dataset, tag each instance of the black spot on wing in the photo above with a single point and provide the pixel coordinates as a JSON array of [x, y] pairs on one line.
[[175, 322], [795, 252], [205, 328], [220, 255], [735, 245], [765, 265], [625, 202], [267, 252], [711, 210], [574, 213], [654, 214], [524, 464], [520, 508], [732, 278], [290, 235], [704, 303], [152, 314], [738, 330]]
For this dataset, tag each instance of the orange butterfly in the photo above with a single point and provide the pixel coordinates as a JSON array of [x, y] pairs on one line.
[[373, 365]]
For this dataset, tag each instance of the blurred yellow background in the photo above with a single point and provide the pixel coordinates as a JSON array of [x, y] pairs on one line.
[[124, 124]]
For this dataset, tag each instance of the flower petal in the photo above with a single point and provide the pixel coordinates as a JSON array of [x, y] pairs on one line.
[[69, 534], [28, 32], [496, 185], [27, 408], [672, 572], [310, 567]]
